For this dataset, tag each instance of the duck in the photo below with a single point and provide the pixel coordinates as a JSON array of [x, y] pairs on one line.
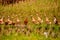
[[1, 21], [55, 20], [34, 20], [39, 19], [26, 21], [47, 21], [8, 21], [17, 23]]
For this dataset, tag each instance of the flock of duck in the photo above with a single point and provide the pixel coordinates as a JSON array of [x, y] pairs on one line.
[[38, 21], [23, 28]]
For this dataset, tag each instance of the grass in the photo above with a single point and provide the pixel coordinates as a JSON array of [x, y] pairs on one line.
[[26, 9], [32, 36]]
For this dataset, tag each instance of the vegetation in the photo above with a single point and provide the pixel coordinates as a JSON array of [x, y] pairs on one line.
[[31, 31]]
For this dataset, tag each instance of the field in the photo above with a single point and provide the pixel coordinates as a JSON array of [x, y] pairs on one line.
[[22, 10]]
